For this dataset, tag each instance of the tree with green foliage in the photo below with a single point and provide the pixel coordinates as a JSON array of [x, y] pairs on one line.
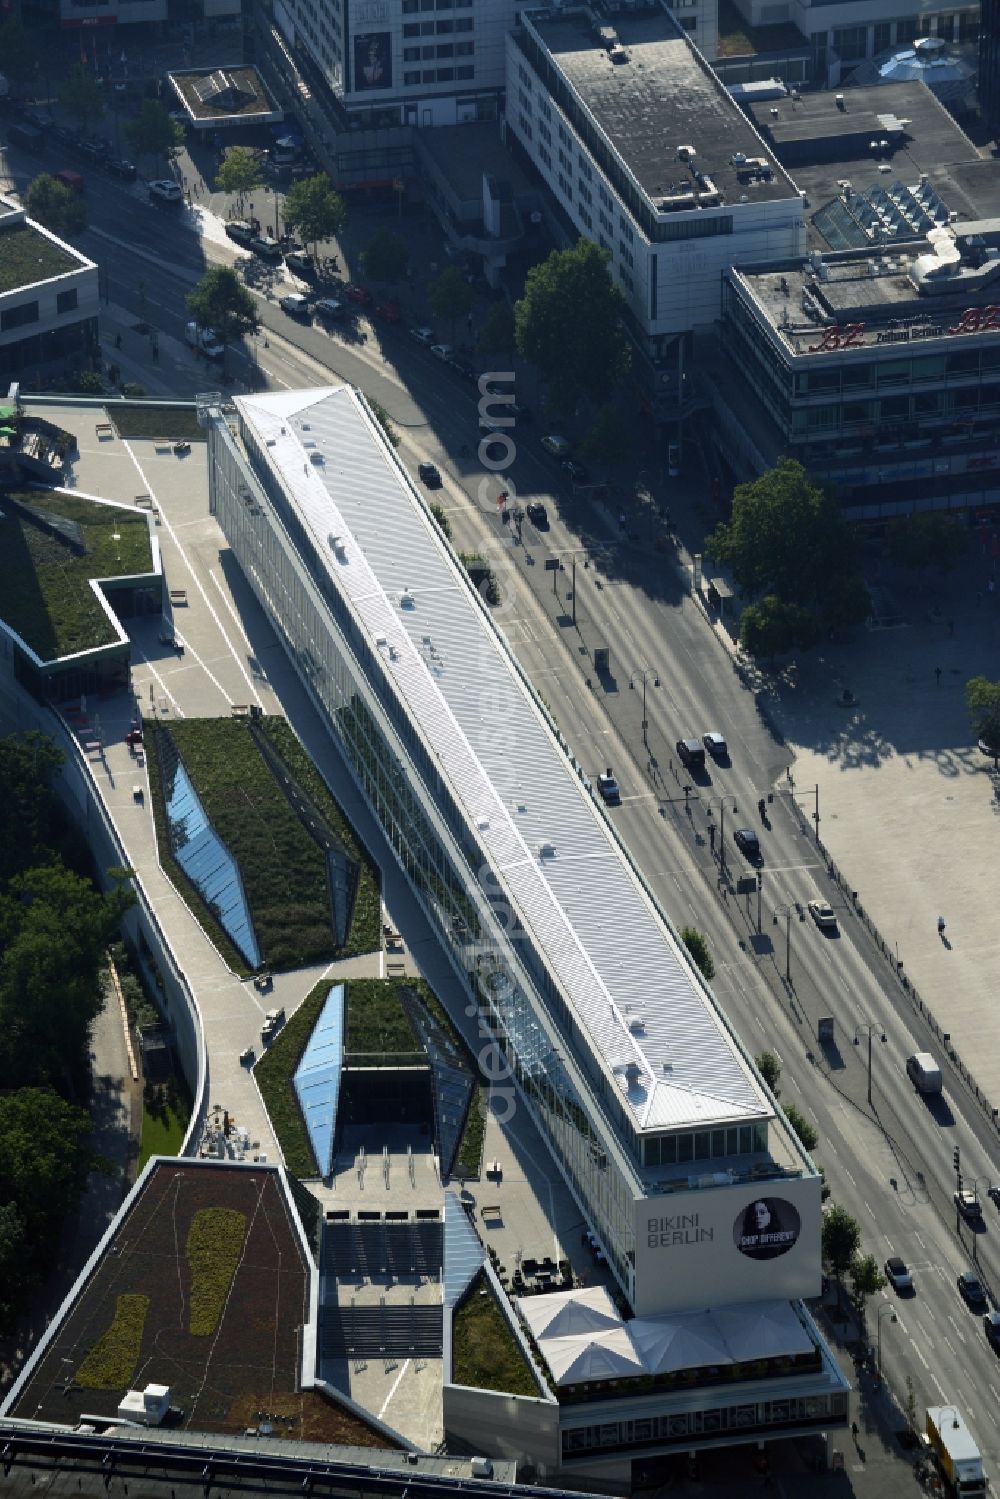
[[697, 946], [382, 417], [153, 133], [240, 173], [841, 1240], [14, 1260], [450, 297], [808, 1134], [982, 698], [569, 325], [607, 442], [385, 257], [772, 626], [496, 336], [220, 301], [314, 211], [32, 813], [786, 538], [43, 1161], [931, 539], [55, 205], [770, 1069], [18, 53], [866, 1280], [82, 96], [55, 928]]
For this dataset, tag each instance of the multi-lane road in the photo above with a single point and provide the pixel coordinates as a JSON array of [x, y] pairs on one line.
[[888, 1159]]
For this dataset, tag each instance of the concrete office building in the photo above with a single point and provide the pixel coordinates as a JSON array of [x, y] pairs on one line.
[[48, 299], [420, 62], [646, 153], [843, 34], [594, 1017]]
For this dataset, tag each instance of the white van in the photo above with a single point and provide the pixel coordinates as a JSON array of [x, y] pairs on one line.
[[924, 1073], [203, 339]]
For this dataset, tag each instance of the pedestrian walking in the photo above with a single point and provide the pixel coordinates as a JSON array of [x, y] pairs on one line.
[[991, 586], [951, 627], [937, 673], [940, 926]]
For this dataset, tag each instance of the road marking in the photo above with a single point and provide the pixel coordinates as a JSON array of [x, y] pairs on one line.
[[850, 1177], [395, 1387], [958, 1334], [919, 1240], [916, 1349], [944, 1397], [995, 1393], [871, 1214]]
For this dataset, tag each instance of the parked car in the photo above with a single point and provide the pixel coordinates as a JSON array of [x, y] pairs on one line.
[[119, 167], [822, 913], [538, 515], [301, 264], [165, 191], [425, 336], [609, 788], [361, 295], [971, 1288], [991, 1327], [240, 232], [557, 446], [429, 475], [466, 370], [267, 249], [444, 352], [577, 472], [389, 312], [295, 304], [897, 1274], [748, 843], [673, 460], [691, 752], [328, 307], [716, 746]]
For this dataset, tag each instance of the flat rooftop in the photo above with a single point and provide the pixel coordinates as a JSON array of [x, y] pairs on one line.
[[29, 254], [663, 97], [217, 96], [650, 1024], [822, 146]]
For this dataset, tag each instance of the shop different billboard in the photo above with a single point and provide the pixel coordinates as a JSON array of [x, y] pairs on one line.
[[729, 1242], [372, 61]]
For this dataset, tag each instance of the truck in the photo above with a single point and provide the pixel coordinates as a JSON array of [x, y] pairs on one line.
[[924, 1072], [957, 1454], [204, 339]]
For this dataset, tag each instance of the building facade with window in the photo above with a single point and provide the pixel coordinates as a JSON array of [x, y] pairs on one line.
[[411, 62], [48, 315], [646, 154], [591, 1014]]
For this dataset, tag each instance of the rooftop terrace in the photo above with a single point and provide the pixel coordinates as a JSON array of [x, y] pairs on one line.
[[29, 255]]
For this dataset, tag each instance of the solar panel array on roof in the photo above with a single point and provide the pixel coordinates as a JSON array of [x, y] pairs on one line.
[[648, 1019]]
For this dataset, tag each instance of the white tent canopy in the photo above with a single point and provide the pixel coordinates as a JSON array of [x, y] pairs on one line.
[[764, 1329], [692, 1341], [590, 1356], [565, 1314]]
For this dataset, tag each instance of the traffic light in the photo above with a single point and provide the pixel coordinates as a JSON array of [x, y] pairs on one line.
[[957, 1158]]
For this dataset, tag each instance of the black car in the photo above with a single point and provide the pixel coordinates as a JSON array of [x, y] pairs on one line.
[[267, 249], [971, 1288], [126, 170], [576, 471], [429, 475], [538, 515], [465, 369], [748, 843], [691, 753], [239, 232], [716, 746], [609, 788], [303, 265]]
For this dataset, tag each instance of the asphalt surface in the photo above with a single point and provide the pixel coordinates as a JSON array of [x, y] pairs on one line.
[[888, 1160]]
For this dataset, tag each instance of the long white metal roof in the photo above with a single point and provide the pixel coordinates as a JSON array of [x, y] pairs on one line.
[[648, 1019]]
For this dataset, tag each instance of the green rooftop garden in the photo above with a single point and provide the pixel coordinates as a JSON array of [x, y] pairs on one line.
[[47, 561], [485, 1353], [153, 419], [26, 256], [283, 868], [376, 1020]]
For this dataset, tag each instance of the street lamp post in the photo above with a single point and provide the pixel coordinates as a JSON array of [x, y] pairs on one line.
[[881, 1312], [572, 553], [720, 801], [786, 911], [642, 673], [871, 1028]]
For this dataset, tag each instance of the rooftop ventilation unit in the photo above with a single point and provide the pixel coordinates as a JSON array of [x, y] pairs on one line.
[[637, 1026], [316, 459], [546, 850], [688, 153], [407, 600], [617, 54]]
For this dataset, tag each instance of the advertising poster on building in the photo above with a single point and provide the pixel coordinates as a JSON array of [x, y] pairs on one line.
[[372, 61], [727, 1243]]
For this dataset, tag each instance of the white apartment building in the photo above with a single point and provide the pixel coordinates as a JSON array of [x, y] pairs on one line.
[[48, 299], [646, 154], [409, 62]]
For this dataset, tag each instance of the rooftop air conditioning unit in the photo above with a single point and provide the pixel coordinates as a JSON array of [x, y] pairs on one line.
[[688, 153], [407, 600]]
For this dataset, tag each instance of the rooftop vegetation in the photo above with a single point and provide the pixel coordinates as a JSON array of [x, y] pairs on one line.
[[152, 419], [485, 1353], [45, 576], [27, 256]]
